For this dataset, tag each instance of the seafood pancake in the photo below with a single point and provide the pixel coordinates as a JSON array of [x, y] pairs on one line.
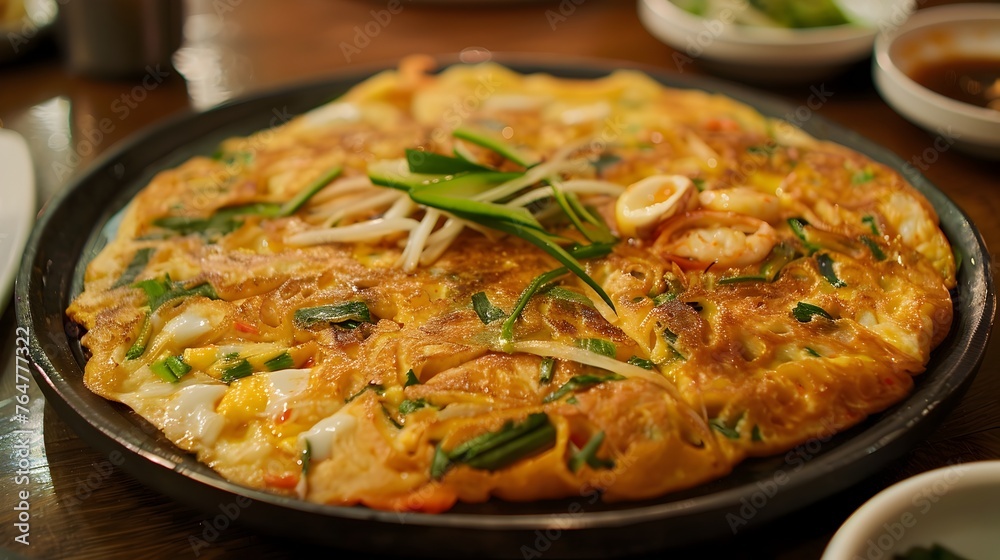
[[473, 284]]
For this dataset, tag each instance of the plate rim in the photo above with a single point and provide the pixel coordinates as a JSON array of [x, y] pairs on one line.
[[966, 365]]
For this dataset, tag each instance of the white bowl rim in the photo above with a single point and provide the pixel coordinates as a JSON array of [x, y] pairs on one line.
[[896, 498], [765, 36], [939, 16]]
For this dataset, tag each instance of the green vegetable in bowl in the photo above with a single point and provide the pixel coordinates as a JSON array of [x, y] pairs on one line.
[[794, 14]]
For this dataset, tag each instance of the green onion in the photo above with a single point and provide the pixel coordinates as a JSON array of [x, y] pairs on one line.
[[348, 315], [388, 416], [507, 330], [588, 455], [494, 142], [161, 369], [409, 406], [825, 263], [579, 383], [420, 161], [729, 431], [699, 183], [163, 290], [798, 226], [376, 387], [177, 366], [293, 205], [440, 464], [812, 352], [862, 176], [873, 247], [438, 196], [741, 279], [238, 371], [664, 298], [511, 445], [486, 311], [804, 312], [279, 362], [606, 159], [224, 221], [546, 369], [138, 347], [782, 254], [870, 220], [559, 292], [135, 267], [411, 379], [593, 234], [755, 434], [641, 362], [597, 346]]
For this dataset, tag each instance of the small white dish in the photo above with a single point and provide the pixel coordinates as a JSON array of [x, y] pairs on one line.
[[769, 55], [936, 34], [957, 507], [17, 207]]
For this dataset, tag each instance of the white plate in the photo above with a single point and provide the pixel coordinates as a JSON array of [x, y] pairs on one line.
[[17, 207]]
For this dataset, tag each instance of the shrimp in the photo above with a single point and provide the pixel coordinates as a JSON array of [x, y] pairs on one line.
[[747, 201], [651, 201], [698, 239]]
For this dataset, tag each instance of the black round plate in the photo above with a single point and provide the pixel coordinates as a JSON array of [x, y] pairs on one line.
[[71, 230]]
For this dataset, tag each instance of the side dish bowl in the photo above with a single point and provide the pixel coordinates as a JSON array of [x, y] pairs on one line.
[[767, 55], [954, 507], [934, 35]]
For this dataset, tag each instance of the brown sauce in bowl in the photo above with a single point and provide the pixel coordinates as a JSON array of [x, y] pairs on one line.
[[972, 80]]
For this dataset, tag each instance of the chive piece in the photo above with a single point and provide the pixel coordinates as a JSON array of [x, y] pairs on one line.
[[873, 247], [160, 291], [765, 149], [238, 371], [862, 176], [161, 369], [606, 159], [177, 366], [279, 362], [409, 406], [303, 196], [641, 362], [572, 210], [591, 216], [306, 458], [348, 314], [812, 352], [825, 263], [138, 347], [494, 142], [507, 330], [411, 379], [588, 455], [547, 244], [510, 431], [664, 298], [395, 174], [597, 346], [559, 292], [718, 425], [870, 220], [741, 279], [699, 183], [804, 312], [798, 226], [378, 388], [782, 254], [755, 434], [440, 464], [486, 311], [224, 221], [420, 161], [671, 338], [135, 267], [443, 197], [579, 383], [592, 251], [388, 416], [573, 400], [546, 369]]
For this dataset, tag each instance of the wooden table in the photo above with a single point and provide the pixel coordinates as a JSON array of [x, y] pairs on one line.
[[84, 507]]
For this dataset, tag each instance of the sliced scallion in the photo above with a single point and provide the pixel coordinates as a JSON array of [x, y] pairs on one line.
[[641, 362], [597, 346], [507, 329], [135, 267], [873, 247], [804, 312], [411, 379], [494, 142], [545, 370], [138, 347], [279, 362], [378, 388], [348, 314], [588, 455], [825, 263], [236, 371], [579, 383], [300, 199], [486, 311]]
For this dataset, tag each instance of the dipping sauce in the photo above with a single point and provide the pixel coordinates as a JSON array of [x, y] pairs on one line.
[[975, 81]]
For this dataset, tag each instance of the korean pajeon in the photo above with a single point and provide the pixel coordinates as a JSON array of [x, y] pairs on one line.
[[476, 283]]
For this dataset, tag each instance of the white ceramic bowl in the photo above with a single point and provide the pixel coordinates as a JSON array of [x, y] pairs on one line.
[[957, 507], [771, 55], [931, 35]]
